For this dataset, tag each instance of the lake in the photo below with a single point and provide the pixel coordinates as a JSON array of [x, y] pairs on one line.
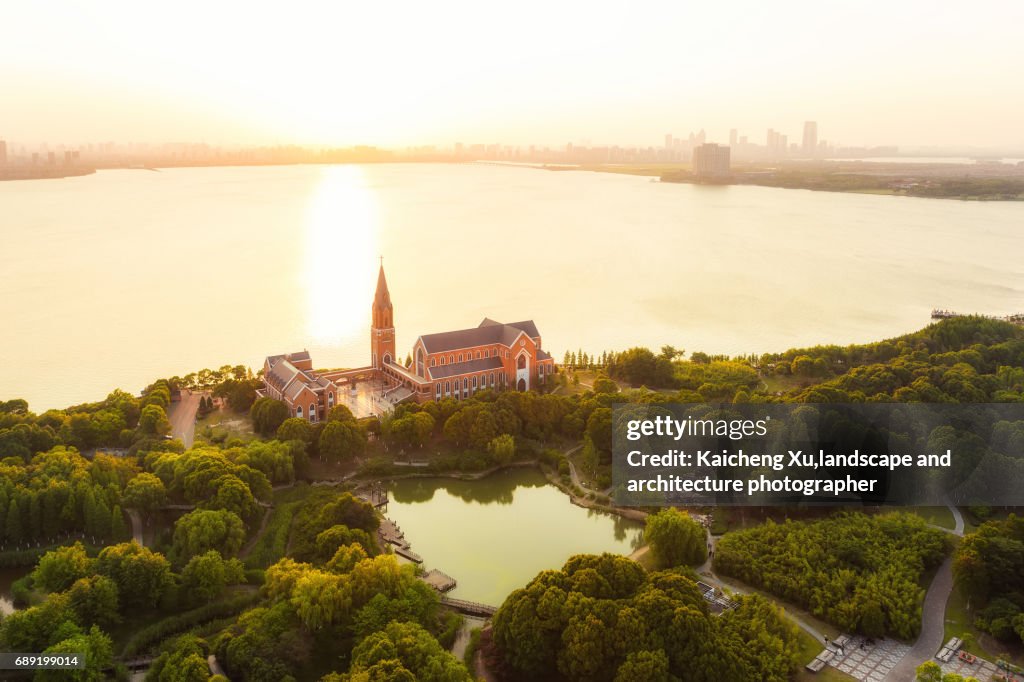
[[494, 535], [118, 278]]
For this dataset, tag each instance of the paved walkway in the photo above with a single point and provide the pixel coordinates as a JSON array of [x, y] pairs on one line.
[[136, 521], [933, 625], [933, 615], [182, 416], [873, 662]]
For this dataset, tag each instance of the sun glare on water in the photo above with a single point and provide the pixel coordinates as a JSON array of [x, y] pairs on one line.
[[341, 254]]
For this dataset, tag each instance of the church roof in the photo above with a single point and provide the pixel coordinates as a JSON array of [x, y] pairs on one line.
[[486, 333], [458, 368]]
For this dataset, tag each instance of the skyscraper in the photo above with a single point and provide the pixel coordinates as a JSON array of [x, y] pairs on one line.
[[810, 138], [711, 161]]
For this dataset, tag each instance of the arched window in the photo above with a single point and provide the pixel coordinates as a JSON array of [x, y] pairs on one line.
[[460, 357], [447, 388], [431, 362], [521, 362], [492, 379], [312, 412], [419, 361], [437, 391], [465, 384], [330, 399], [442, 359], [478, 355], [451, 359], [474, 383], [298, 411]]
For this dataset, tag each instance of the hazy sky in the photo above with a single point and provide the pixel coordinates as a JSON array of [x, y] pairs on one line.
[[391, 73]]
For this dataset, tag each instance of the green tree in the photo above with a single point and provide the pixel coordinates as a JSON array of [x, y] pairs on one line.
[[645, 666], [267, 415], [94, 600], [502, 449], [182, 660], [233, 495], [118, 527], [153, 421], [205, 576], [140, 574], [94, 646], [58, 569], [201, 530], [405, 651], [295, 428], [14, 532], [602, 384], [145, 493], [675, 538], [341, 441]]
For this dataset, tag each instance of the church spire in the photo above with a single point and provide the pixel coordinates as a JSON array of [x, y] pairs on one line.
[[382, 333], [382, 299]]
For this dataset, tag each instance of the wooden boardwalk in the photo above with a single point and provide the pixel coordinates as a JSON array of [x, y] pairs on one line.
[[442, 582], [469, 608]]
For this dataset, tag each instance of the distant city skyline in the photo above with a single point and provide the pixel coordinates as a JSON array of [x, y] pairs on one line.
[[910, 74]]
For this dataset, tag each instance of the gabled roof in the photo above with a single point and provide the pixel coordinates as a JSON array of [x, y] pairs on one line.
[[459, 368], [488, 332]]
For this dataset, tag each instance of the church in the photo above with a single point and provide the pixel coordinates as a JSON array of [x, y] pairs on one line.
[[453, 364]]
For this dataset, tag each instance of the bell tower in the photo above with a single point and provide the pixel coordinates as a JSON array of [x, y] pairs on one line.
[[382, 329]]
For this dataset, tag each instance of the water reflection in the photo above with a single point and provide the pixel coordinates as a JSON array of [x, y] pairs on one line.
[[494, 535], [341, 250], [498, 488]]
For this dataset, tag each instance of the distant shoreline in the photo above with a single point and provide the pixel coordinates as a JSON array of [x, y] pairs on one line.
[[982, 182], [46, 173], [965, 182]]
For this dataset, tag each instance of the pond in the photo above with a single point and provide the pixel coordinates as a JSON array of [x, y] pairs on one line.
[[7, 578], [495, 534]]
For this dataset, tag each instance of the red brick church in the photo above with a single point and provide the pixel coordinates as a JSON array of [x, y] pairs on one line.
[[453, 364]]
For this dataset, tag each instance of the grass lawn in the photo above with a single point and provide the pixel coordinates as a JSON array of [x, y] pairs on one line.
[[784, 383], [960, 623], [936, 516], [223, 425], [809, 648]]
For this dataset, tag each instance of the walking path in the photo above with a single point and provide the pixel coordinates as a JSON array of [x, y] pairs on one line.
[[182, 415], [933, 614], [933, 622], [136, 521]]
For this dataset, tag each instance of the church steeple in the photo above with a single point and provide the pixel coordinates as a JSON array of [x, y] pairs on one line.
[[382, 331], [383, 311]]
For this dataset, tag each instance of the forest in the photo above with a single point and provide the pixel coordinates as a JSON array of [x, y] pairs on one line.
[[604, 618], [862, 573], [282, 580]]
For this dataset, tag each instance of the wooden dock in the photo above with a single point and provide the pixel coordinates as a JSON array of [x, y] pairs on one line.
[[376, 495], [409, 554], [442, 582]]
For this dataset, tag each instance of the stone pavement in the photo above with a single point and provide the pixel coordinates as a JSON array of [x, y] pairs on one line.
[[870, 662], [981, 669]]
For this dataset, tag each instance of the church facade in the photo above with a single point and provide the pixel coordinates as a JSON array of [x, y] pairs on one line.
[[455, 364]]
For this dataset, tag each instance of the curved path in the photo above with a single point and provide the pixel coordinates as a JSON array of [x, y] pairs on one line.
[[707, 574], [136, 521], [933, 615], [182, 415]]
